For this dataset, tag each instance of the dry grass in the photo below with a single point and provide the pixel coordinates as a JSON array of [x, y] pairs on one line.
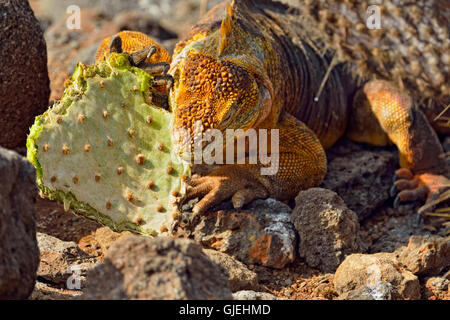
[[441, 212], [443, 120]]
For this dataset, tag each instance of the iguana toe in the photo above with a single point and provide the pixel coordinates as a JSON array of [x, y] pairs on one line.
[[211, 190], [138, 58], [223, 184], [244, 196], [412, 187]]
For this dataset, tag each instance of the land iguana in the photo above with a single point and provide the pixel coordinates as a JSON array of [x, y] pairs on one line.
[[255, 64]]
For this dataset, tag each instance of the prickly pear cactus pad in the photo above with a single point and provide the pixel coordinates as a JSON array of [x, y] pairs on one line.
[[106, 152]]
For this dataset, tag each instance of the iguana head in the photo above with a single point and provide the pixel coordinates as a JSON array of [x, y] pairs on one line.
[[219, 81], [219, 93]]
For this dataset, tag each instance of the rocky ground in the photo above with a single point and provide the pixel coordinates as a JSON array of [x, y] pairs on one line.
[[393, 247], [341, 241]]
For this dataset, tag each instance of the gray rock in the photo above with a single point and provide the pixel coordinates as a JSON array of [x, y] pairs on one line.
[[378, 275], [399, 230], [19, 252], [361, 177], [253, 295], [239, 276], [156, 268], [61, 259], [24, 83], [259, 234], [378, 291], [328, 230]]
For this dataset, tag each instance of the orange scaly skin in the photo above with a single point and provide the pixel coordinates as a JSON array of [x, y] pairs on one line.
[[247, 65], [133, 41]]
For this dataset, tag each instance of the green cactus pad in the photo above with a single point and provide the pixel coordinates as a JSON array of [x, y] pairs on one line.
[[106, 153]]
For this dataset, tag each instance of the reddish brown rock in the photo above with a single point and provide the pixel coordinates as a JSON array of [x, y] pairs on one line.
[[259, 234], [24, 83]]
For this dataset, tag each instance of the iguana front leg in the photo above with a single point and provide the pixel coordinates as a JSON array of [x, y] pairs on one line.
[[423, 167], [301, 164], [238, 182]]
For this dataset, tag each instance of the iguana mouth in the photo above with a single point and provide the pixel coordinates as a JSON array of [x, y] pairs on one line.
[[152, 59], [201, 139]]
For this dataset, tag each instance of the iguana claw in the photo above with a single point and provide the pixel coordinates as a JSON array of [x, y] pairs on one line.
[[224, 183], [165, 80], [139, 57], [156, 68], [410, 187]]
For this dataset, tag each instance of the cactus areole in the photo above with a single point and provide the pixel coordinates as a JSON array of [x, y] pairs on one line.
[[96, 152]]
